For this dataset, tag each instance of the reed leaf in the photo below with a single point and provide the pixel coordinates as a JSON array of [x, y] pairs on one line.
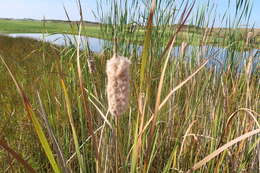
[[37, 126]]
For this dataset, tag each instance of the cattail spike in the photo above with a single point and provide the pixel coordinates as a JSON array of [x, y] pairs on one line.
[[118, 86], [184, 46], [249, 37]]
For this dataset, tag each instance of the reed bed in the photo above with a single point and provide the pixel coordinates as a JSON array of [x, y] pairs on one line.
[[183, 112]]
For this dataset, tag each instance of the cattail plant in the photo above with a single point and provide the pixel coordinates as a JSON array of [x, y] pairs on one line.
[[118, 84], [184, 46], [249, 37]]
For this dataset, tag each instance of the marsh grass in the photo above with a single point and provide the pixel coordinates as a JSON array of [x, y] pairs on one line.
[[183, 115]]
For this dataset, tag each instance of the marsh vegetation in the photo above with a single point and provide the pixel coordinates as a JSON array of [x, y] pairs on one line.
[[189, 110]]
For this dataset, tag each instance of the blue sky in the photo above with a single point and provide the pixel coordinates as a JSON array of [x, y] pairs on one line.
[[50, 9], [53, 9]]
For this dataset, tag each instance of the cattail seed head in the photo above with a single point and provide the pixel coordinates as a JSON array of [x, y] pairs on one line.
[[249, 37], [118, 85], [184, 46]]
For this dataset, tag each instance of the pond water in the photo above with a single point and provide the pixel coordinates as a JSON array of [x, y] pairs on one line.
[[98, 45], [95, 44]]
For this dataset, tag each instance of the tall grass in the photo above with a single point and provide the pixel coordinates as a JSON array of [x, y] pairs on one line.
[[189, 110]]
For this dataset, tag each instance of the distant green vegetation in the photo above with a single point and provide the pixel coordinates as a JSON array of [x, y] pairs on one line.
[[192, 35], [23, 26], [29, 58]]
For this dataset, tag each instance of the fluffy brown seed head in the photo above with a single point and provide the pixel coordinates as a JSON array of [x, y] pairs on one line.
[[249, 37], [118, 85]]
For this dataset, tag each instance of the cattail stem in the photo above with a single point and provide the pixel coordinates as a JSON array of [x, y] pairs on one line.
[[116, 142], [118, 88]]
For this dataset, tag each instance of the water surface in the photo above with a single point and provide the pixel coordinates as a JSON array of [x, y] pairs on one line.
[[98, 45], [95, 44]]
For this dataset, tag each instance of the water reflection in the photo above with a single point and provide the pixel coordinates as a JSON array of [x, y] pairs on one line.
[[95, 44], [222, 55]]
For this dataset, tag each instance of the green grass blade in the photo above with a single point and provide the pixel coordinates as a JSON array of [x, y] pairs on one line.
[[223, 148], [74, 133], [147, 46], [36, 123]]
